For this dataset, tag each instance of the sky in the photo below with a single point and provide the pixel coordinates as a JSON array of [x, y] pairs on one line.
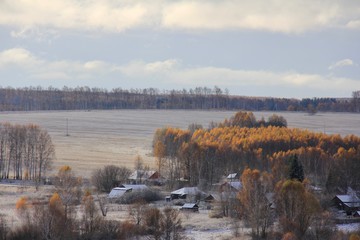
[[272, 48]]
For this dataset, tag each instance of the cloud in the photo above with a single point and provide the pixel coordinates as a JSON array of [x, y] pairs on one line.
[[342, 63], [142, 69], [294, 16], [162, 66], [178, 75], [235, 78], [18, 56], [105, 15], [168, 73], [37, 68], [353, 24]]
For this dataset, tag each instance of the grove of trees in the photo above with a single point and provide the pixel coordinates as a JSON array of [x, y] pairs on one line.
[[203, 156], [26, 152]]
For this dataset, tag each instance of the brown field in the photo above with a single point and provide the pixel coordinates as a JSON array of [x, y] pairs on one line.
[[98, 138]]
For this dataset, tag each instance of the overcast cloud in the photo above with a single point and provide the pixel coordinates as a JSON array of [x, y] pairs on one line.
[[279, 48]]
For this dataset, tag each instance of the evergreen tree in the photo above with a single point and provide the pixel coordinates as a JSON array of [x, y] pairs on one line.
[[296, 170]]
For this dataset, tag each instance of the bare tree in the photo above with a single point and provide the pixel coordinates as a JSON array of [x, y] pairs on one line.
[[46, 153], [356, 101], [109, 177], [91, 220], [140, 169], [171, 224], [136, 212], [103, 205], [152, 221], [68, 186]]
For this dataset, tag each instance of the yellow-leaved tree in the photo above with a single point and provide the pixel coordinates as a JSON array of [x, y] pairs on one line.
[[296, 207], [254, 198]]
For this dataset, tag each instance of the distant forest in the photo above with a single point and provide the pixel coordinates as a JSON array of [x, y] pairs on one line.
[[203, 98]]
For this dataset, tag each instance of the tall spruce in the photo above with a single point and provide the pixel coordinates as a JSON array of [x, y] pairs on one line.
[[296, 170]]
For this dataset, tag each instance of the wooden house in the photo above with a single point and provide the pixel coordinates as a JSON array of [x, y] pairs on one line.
[[118, 192], [191, 207], [141, 176], [348, 203], [188, 192], [231, 186]]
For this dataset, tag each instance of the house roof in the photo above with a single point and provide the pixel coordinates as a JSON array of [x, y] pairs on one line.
[[136, 187], [232, 176], [210, 197], [137, 174], [224, 196], [348, 198], [234, 185], [187, 191], [190, 205], [118, 192], [352, 204], [237, 185]]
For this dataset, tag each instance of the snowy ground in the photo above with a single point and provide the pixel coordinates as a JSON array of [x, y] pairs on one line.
[[350, 227], [196, 225]]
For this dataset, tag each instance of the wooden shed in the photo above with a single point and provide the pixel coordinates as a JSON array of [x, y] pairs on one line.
[[192, 207]]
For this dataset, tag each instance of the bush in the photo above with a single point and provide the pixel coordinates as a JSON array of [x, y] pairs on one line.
[[3, 228], [109, 177], [137, 196], [25, 232], [104, 230]]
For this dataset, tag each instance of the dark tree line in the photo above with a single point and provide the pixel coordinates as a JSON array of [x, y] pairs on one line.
[[85, 98], [26, 151]]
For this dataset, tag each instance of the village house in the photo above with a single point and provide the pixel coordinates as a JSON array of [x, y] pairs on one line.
[[191, 207], [118, 192], [126, 188], [135, 187], [348, 203], [230, 186], [148, 177], [188, 193], [357, 214]]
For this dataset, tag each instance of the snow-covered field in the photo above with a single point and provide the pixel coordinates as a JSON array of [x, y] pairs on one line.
[[98, 138]]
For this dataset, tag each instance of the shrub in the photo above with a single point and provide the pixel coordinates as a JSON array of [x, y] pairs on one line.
[[109, 177], [25, 232], [137, 196], [3, 228]]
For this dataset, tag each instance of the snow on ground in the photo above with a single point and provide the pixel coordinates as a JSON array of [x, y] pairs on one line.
[[349, 227], [201, 226], [196, 225]]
